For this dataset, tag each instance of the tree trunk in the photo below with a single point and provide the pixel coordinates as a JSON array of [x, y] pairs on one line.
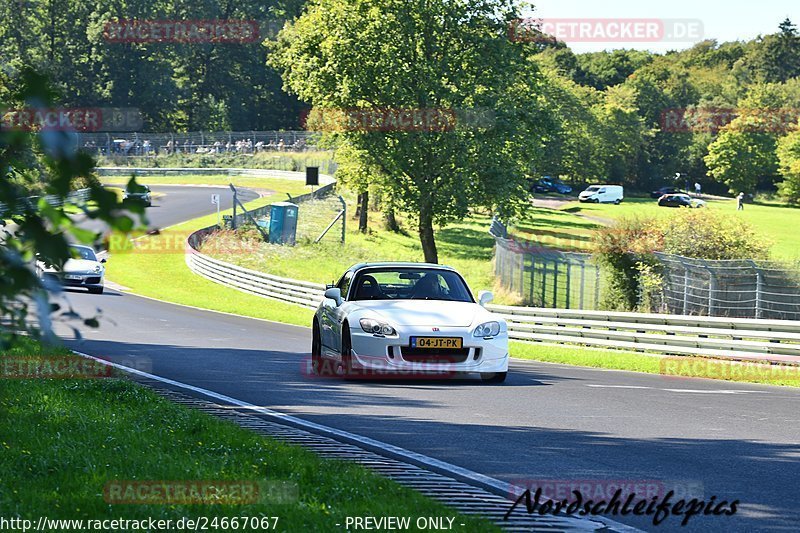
[[362, 218], [391, 221], [357, 210], [426, 234]]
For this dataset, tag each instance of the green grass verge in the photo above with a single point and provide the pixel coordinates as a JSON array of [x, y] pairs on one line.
[[670, 367], [467, 246], [64, 439], [164, 261]]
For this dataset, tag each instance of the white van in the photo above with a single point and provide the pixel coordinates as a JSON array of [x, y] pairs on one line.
[[602, 193]]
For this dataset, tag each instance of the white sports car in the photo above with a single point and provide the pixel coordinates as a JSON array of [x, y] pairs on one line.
[[408, 319], [82, 270]]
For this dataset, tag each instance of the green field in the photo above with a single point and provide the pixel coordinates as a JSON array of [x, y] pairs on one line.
[[772, 221], [63, 440]]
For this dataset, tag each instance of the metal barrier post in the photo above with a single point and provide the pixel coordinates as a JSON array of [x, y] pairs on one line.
[[533, 271], [685, 290], [569, 275], [759, 289], [556, 267]]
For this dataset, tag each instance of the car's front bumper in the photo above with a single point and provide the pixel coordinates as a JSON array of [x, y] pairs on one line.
[[393, 354], [93, 281]]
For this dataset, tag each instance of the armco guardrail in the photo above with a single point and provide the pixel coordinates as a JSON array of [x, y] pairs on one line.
[[293, 291], [80, 195], [730, 338], [324, 179]]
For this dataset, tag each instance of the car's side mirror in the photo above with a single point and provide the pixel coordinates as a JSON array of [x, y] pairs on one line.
[[104, 260], [484, 297], [335, 294]]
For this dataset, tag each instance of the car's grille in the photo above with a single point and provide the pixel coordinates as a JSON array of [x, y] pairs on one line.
[[434, 355], [93, 280]]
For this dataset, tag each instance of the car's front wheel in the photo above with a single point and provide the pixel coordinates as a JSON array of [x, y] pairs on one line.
[[494, 377]]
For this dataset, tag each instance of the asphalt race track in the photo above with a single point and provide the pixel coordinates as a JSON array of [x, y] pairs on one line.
[[173, 204], [547, 422]]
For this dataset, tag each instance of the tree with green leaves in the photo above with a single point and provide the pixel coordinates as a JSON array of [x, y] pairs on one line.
[[789, 165], [437, 57], [743, 155], [740, 157], [35, 229]]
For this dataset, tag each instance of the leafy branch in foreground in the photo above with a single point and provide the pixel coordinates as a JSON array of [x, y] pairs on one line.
[[46, 161]]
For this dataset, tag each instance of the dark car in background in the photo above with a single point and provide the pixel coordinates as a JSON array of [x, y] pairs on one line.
[[658, 193], [547, 184], [680, 200], [141, 193]]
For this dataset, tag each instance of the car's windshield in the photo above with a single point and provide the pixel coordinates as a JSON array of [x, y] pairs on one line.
[[410, 284], [84, 253], [593, 188]]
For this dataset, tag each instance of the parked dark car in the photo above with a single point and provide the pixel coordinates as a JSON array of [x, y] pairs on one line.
[[680, 200], [658, 193], [550, 184]]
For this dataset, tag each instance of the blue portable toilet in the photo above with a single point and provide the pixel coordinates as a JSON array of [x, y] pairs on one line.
[[283, 223]]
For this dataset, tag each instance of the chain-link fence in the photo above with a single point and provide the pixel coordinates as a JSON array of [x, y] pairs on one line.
[[321, 216], [734, 288], [544, 277], [229, 142]]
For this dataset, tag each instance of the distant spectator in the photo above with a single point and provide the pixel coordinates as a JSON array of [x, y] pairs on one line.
[[740, 202], [697, 188]]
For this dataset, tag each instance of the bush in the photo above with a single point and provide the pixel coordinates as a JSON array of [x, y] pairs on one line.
[[626, 251], [621, 249], [706, 234]]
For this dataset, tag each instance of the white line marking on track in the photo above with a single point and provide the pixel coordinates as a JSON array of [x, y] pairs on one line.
[[696, 391], [496, 485]]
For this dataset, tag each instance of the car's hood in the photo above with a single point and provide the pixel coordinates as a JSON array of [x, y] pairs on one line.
[[425, 312], [77, 265]]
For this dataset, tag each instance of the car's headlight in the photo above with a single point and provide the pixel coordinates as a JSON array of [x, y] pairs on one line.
[[487, 329], [98, 269], [375, 327]]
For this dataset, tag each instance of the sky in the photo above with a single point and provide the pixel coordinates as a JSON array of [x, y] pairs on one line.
[[714, 19]]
